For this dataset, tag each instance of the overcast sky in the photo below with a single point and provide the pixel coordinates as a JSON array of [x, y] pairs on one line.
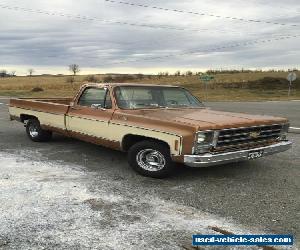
[[147, 40]]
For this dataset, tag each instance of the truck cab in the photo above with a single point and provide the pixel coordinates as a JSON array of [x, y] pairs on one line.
[[157, 125]]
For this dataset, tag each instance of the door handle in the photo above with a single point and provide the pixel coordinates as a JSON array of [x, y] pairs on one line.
[[98, 107]]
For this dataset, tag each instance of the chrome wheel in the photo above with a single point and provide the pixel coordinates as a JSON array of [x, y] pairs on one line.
[[33, 130], [150, 160]]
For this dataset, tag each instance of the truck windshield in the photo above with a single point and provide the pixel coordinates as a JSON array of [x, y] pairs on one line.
[[139, 97]]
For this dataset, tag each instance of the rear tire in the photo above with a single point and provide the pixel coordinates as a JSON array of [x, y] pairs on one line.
[[151, 158], [36, 133]]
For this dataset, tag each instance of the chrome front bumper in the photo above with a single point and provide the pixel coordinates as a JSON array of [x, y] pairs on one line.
[[209, 159]]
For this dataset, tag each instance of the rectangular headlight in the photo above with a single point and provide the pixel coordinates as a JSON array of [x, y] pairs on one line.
[[205, 138], [284, 131], [204, 141]]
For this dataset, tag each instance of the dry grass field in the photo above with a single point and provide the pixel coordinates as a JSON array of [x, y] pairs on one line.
[[225, 87]]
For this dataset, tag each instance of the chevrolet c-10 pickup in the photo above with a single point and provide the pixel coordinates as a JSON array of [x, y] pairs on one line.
[[157, 125]]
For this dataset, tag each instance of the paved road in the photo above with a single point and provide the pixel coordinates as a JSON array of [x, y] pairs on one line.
[[68, 193]]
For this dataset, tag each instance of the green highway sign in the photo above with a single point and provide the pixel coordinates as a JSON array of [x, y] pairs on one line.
[[206, 78]]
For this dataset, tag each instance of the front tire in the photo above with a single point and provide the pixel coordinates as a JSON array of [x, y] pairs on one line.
[[36, 133], [151, 158]]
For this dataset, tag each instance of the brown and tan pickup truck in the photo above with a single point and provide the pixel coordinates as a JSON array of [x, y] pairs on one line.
[[157, 125]]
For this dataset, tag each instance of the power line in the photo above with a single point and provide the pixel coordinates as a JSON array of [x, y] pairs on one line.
[[203, 51], [86, 18], [202, 13], [214, 49], [113, 22], [82, 18], [196, 51]]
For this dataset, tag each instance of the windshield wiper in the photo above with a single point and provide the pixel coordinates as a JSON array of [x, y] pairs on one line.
[[157, 106]]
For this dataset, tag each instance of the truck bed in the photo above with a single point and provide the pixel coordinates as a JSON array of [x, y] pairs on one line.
[[50, 111], [25, 101]]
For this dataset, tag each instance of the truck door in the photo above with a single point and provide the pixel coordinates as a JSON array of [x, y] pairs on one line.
[[91, 113]]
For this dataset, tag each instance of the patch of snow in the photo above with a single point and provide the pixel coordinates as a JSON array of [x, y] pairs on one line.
[[50, 205]]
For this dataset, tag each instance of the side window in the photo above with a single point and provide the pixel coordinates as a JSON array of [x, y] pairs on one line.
[[175, 97], [128, 94], [133, 97], [95, 96]]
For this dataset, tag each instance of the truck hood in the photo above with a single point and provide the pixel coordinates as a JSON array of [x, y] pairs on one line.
[[210, 119]]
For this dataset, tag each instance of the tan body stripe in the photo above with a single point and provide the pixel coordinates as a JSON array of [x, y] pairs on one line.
[[106, 130], [54, 120], [36, 110]]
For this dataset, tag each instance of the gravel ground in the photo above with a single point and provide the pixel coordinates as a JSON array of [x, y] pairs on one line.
[[50, 205]]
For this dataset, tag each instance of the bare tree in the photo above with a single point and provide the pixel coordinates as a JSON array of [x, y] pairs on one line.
[[30, 71], [13, 73], [74, 68]]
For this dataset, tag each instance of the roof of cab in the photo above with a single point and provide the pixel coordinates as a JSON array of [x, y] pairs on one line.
[[126, 84]]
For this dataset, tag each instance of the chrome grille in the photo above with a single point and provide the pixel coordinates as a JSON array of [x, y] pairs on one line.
[[236, 137]]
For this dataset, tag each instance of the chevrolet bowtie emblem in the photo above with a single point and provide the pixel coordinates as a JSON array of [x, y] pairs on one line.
[[254, 134]]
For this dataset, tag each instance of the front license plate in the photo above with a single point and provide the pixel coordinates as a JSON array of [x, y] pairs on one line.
[[255, 154]]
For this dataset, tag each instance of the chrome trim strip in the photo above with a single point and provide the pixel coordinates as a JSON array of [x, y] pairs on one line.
[[85, 118], [215, 139], [209, 159]]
